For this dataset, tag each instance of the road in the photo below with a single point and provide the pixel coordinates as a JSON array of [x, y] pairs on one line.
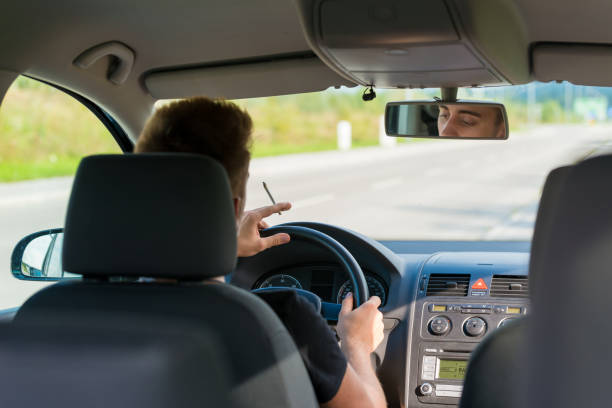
[[441, 189]]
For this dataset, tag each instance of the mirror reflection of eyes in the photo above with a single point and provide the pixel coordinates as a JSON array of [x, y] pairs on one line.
[[454, 120], [469, 119], [443, 113], [466, 117]]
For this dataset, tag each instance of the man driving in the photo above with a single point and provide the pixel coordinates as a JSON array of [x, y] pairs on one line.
[[342, 376], [471, 121]]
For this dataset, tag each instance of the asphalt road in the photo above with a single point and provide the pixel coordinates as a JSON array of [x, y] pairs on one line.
[[456, 190]]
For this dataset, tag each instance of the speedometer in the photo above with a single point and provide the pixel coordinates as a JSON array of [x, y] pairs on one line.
[[281, 281], [375, 287]]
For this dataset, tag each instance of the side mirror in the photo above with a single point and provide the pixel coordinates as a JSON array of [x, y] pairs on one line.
[[39, 257], [448, 120]]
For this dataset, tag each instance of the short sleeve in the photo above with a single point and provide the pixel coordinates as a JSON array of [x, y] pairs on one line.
[[316, 342]]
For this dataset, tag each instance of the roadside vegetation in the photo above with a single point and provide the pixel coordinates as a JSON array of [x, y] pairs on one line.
[[44, 133], [307, 122]]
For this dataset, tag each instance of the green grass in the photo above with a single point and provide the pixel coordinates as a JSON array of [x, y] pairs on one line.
[[15, 171], [44, 132]]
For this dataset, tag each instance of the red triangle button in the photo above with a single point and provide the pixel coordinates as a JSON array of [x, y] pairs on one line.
[[480, 284]]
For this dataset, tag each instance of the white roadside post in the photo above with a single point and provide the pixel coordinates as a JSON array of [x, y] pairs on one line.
[[344, 135], [383, 139], [531, 104]]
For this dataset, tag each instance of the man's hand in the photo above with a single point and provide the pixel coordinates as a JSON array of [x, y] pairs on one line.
[[362, 328], [249, 240], [361, 331]]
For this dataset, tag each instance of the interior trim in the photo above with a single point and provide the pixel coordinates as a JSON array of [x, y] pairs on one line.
[[122, 139], [268, 76], [550, 63]]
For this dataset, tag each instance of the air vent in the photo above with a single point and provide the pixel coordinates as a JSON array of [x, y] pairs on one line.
[[510, 286], [448, 285]]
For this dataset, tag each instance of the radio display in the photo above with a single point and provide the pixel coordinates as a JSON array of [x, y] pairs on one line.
[[452, 369]]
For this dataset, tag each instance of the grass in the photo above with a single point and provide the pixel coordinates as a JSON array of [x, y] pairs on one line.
[[44, 133], [16, 171]]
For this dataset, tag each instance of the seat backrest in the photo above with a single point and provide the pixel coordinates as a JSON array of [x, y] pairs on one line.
[[569, 336], [261, 354], [45, 366], [168, 217], [496, 367]]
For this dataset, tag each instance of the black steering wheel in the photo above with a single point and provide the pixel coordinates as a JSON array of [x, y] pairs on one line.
[[343, 256]]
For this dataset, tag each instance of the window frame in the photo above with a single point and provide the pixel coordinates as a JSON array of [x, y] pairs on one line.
[[125, 143]]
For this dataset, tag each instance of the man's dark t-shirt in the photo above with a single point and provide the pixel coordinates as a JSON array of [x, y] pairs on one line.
[[315, 341]]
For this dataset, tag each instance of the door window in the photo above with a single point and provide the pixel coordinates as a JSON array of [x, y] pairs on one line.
[[44, 133]]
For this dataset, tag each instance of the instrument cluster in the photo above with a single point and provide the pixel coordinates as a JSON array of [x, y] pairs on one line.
[[330, 283]]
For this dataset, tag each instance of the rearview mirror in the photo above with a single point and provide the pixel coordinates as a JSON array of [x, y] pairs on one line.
[[39, 257], [449, 120]]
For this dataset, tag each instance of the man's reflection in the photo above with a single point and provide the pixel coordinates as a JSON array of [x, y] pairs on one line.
[[471, 121]]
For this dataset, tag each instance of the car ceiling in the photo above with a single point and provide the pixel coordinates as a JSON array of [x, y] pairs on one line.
[[208, 38]]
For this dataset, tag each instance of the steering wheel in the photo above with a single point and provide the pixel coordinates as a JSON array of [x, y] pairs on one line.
[[343, 256]]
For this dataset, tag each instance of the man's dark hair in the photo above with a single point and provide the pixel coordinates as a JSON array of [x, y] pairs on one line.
[[213, 127]]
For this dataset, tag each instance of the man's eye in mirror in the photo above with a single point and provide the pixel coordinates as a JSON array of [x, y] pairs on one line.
[[457, 120]]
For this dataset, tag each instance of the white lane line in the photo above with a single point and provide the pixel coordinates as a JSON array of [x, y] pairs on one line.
[[315, 200], [381, 185], [34, 198], [518, 225]]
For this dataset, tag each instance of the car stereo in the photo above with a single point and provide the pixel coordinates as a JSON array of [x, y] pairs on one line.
[[442, 371], [449, 331]]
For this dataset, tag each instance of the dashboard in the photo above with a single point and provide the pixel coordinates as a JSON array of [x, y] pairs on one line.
[[439, 301]]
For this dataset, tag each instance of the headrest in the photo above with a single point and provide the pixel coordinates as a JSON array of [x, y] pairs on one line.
[[571, 326], [545, 219], [157, 215]]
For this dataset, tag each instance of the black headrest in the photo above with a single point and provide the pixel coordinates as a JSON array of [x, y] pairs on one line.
[[157, 215], [45, 366], [545, 219], [569, 347]]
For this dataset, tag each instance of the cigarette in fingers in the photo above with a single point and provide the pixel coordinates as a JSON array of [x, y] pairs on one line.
[[270, 195]]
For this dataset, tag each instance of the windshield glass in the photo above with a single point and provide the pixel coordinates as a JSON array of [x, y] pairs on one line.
[[327, 154]]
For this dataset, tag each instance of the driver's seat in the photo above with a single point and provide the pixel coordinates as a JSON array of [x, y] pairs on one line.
[[168, 218]]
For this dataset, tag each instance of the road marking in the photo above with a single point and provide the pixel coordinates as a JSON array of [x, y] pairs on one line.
[[34, 198], [308, 202], [519, 224], [381, 185]]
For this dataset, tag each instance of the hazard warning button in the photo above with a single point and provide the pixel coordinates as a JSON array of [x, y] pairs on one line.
[[480, 284]]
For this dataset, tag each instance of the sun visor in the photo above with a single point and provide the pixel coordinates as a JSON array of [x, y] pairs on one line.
[[404, 44], [245, 80], [580, 64]]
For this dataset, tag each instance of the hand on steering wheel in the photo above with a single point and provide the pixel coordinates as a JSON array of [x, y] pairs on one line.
[[329, 310]]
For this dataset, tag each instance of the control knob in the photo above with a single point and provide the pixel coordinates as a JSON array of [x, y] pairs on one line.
[[439, 325], [426, 389], [474, 326]]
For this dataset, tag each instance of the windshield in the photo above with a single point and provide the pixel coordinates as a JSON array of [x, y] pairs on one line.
[[327, 154]]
